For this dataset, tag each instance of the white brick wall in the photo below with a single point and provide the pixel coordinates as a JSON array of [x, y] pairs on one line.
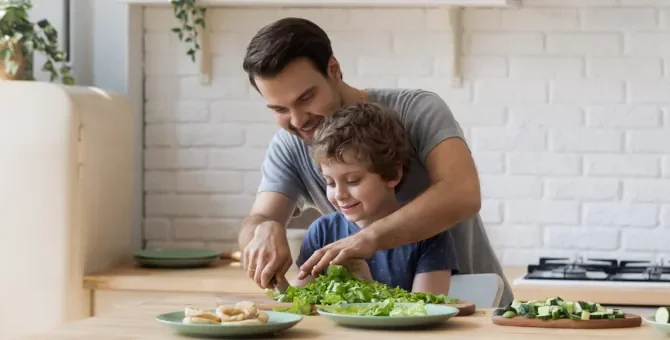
[[566, 106]]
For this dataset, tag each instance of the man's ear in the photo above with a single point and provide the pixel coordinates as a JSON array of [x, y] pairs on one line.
[[334, 69], [394, 182]]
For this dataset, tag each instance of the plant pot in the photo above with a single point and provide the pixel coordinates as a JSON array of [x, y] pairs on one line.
[[18, 59]]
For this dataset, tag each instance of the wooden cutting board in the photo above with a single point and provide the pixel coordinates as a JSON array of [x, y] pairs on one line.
[[630, 320], [264, 302]]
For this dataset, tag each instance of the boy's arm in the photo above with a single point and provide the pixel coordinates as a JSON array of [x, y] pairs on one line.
[[436, 282], [437, 262]]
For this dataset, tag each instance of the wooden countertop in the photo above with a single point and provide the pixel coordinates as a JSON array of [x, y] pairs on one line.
[[138, 322], [227, 276]]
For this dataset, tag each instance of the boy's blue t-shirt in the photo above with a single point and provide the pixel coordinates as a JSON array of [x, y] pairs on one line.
[[395, 267]]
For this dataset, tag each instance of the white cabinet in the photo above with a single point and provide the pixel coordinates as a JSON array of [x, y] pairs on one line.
[[66, 173]]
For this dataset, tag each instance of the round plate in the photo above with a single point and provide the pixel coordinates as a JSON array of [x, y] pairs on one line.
[[277, 322], [175, 263], [176, 254], [661, 327], [436, 314]]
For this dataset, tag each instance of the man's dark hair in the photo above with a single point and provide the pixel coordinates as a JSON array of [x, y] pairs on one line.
[[281, 42]]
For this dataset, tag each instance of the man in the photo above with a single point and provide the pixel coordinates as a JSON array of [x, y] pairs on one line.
[[291, 64]]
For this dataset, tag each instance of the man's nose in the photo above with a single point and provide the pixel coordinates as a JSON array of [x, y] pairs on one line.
[[298, 119]]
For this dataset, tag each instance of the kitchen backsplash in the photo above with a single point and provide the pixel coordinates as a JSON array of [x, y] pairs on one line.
[[566, 106]]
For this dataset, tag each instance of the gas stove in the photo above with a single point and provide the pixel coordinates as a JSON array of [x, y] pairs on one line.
[[595, 279], [564, 269]]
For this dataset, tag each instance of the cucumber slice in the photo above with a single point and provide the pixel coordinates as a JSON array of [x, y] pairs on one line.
[[663, 315], [577, 308], [598, 315], [544, 310], [509, 314]]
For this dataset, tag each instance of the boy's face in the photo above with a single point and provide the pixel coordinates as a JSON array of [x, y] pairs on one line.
[[300, 96], [360, 195]]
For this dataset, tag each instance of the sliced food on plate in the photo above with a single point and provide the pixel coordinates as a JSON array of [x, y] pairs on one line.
[[388, 314], [555, 312], [242, 313], [242, 318]]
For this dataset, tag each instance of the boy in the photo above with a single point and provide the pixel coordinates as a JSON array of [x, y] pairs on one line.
[[362, 152]]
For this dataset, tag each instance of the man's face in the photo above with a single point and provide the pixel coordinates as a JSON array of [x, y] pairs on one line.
[[301, 97]]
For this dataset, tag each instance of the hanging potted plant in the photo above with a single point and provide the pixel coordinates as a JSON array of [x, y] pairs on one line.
[[20, 38], [189, 15]]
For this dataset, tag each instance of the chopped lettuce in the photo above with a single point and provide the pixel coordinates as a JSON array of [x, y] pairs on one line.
[[384, 308], [338, 286]]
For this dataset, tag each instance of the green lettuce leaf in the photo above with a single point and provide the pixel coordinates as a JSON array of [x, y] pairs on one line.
[[338, 286]]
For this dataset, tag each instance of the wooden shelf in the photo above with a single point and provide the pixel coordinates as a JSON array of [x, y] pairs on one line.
[[453, 15], [340, 3]]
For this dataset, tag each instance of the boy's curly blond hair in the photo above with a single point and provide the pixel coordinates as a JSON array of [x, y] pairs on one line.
[[374, 133]]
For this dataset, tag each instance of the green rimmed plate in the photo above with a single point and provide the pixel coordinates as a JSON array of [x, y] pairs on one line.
[[175, 258], [175, 263], [176, 254], [277, 322], [436, 314]]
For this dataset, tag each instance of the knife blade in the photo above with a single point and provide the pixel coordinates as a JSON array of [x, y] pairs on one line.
[[280, 285]]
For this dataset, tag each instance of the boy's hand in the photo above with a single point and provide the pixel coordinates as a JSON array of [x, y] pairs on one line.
[[359, 268], [361, 245]]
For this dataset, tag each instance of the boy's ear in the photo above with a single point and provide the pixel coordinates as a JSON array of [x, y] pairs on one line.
[[394, 182]]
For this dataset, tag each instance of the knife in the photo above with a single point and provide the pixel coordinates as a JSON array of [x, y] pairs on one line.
[[280, 285]]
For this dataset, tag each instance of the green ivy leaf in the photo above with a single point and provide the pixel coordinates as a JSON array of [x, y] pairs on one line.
[[189, 15]]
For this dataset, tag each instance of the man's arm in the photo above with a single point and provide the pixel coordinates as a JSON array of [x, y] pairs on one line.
[[266, 254], [454, 192], [454, 195]]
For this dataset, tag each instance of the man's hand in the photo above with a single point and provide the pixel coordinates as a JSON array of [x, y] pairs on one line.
[[358, 246], [267, 255]]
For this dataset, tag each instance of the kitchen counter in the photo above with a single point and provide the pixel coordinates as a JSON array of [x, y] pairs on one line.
[[227, 276], [138, 322]]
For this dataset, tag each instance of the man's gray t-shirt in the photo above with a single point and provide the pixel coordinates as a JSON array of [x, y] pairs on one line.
[[289, 169]]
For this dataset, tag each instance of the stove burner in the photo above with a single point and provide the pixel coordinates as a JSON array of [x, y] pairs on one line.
[[653, 273], [571, 271], [598, 270]]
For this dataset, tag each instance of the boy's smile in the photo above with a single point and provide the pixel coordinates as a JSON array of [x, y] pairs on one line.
[[359, 194]]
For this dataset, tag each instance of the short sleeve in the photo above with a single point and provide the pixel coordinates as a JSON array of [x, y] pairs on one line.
[[279, 172], [437, 253], [429, 121], [314, 239]]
